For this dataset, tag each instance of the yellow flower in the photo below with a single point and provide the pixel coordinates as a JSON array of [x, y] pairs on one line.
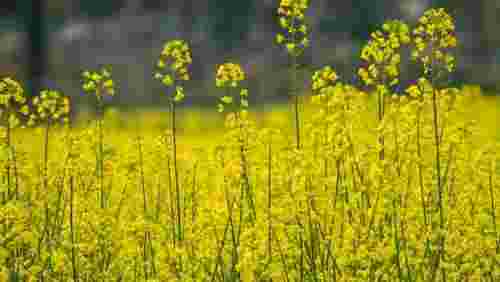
[[24, 110], [435, 30]]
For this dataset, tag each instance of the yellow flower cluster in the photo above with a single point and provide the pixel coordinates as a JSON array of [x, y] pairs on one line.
[[382, 54], [416, 90], [229, 75], [177, 54], [291, 13], [12, 101], [324, 78], [51, 106], [98, 82], [11, 90], [434, 35]]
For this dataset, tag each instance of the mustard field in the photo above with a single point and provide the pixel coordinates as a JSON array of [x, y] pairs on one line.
[[344, 183]]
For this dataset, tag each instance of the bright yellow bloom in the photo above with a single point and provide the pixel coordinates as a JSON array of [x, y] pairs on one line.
[[435, 31]]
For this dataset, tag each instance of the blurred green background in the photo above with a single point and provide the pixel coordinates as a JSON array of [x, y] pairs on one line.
[[48, 43]]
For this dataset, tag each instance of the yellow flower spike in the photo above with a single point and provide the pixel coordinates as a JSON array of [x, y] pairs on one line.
[[381, 54], [323, 78], [99, 83], [435, 31], [229, 75], [177, 53], [51, 105], [291, 19], [12, 101]]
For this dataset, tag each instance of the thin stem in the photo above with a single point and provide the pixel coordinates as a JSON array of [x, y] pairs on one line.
[[144, 197], [380, 118], [176, 174], [16, 175], [46, 153], [269, 199], [100, 158], [438, 171], [493, 215], [8, 141], [420, 168], [72, 230], [296, 102]]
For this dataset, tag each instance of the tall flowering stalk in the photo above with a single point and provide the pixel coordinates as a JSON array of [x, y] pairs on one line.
[[324, 80], [177, 56], [291, 19], [323, 84], [100, 84], [12, 108], [235, 102], [51, 107], [416, 91], [434, 37], [382, 58]]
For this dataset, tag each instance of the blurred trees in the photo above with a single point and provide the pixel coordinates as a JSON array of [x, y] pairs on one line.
[[243, 29], [230, 22]]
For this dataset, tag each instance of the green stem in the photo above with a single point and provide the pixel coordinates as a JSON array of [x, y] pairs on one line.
[[296, 102], [396, 240], [176, 170], [176, 178], [100, 158], [269, 199], [46, 153], [72, 230], [493, 215], [8, 141], [420, 168], [144, 197], [438, 171], [380, 118]]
